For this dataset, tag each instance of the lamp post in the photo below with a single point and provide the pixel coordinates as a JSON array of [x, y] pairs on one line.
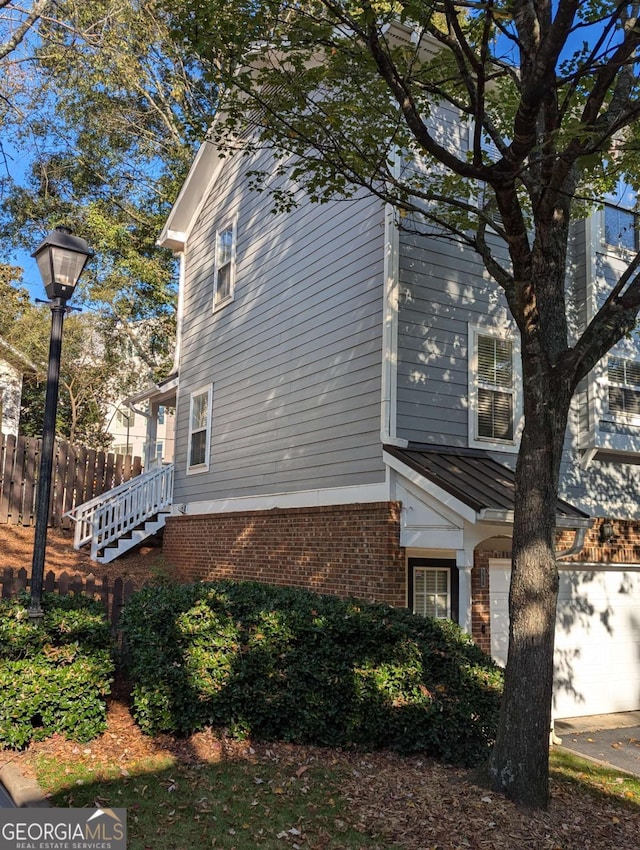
[[61, 260]]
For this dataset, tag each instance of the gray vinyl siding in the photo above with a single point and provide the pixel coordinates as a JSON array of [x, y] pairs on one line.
[[610, 485], [295, 359], [442, 289]]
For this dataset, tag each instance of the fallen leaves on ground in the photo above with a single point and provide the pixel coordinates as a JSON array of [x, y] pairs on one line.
[[412, 803]]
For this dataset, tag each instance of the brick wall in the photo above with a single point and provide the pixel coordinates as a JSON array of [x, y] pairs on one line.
[[480, 604], [346, 550], [622, 548]]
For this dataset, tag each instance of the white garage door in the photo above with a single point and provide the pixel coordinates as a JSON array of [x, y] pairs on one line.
[[597, 657]]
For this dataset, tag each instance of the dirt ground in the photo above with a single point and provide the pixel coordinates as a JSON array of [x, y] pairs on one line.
[[16, 551]]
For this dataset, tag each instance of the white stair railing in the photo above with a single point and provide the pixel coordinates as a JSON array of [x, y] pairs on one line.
[[104, 518], [132, 507]]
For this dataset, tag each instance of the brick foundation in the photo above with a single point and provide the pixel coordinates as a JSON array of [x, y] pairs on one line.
[[346, 550]]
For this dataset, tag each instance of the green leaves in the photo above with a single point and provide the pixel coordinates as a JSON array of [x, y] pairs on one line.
[[280, 663], [54, 677]]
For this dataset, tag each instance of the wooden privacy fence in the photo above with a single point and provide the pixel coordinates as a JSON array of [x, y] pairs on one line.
[[113, 596], [78, 475]]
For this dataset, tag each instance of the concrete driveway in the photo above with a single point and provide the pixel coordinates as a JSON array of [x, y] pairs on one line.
[[610, 739]]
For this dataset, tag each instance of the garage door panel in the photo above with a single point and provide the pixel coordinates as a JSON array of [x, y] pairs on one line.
[[597, 655], [597, 643]]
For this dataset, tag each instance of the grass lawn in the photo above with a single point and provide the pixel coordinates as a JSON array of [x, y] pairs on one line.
[[283, 796], [231, 804], [601, 781]]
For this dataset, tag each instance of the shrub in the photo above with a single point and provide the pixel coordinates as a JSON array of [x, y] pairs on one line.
[[54, 676], [288, 664]]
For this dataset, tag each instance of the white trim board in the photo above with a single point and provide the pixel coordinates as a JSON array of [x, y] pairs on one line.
[[303, 499]]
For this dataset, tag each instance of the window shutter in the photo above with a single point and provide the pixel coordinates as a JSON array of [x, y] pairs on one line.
[[495, 361], [624, 386], [495, 388]]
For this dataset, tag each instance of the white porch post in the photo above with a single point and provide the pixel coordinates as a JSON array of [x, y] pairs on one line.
[[464, 563], [152, 436]]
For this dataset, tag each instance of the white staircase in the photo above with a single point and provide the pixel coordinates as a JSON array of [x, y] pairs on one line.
[[120, 519]]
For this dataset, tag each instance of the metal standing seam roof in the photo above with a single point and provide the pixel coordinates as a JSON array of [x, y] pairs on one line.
[[470, 475]]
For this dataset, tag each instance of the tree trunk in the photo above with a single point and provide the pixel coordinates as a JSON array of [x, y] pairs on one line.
[[519, 764]]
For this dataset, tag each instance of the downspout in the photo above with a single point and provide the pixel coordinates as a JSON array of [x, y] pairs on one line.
[[576, 546], [389, 382]]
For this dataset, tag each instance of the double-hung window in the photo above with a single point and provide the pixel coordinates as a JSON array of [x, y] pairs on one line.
[[496, 389], [431, 593], [623, 387], [225, 260], [125, 418], [433, 588], [199, 429]]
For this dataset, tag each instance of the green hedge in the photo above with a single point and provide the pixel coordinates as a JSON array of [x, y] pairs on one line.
[[287, 664], [54, 676]]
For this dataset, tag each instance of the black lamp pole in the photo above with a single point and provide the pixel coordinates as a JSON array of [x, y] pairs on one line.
[[61, 259], [58, 309]]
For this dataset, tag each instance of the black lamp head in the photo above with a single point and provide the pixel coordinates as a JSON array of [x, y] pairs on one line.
[[61, 259]]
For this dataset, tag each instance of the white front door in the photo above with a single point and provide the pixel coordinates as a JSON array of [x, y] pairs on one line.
[[597, 655]]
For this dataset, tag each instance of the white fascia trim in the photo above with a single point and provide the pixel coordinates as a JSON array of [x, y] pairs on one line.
[[176, 240], [598, 566], [191, 198], [152, 393], [432, 489], [498, 516], [304, 499]]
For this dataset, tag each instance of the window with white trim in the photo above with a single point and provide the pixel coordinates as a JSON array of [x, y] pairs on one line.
[[485, 197], [623, 386], [621, 227], [199, 429], [225, 259], [125, 418], [496, 391], [431, 595], [433, 588]]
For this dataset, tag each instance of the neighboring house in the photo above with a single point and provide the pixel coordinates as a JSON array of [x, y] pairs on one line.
[[348, 416], [128, 429], [13, 366]]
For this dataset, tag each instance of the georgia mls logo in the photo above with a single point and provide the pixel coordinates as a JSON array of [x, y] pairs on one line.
[[63, 829]]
